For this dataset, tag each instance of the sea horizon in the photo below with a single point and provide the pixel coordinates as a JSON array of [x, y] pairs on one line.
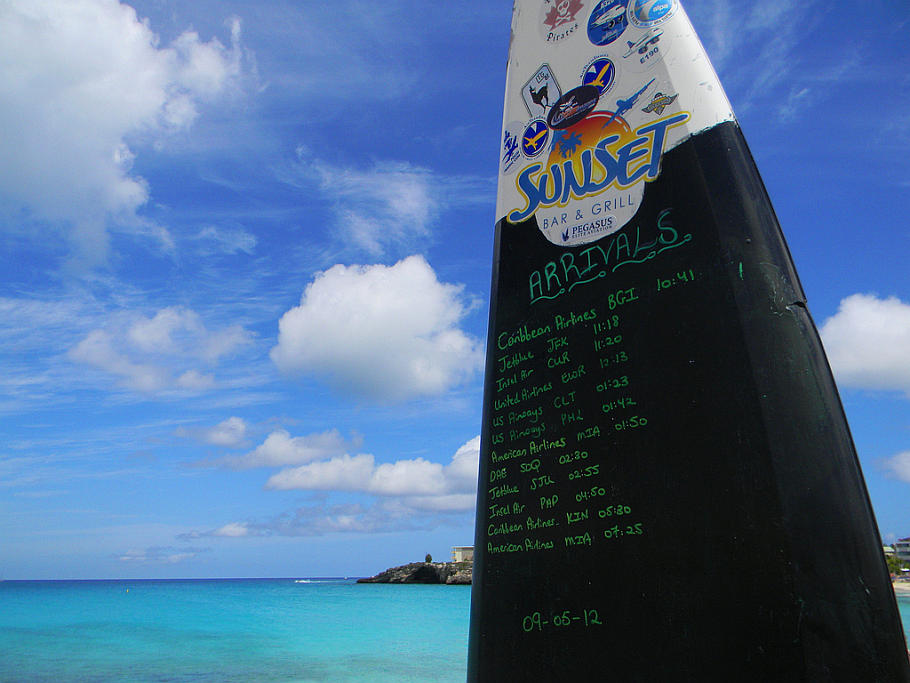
[[293, 629]]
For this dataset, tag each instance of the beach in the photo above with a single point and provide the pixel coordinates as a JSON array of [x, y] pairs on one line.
[[901, 588]]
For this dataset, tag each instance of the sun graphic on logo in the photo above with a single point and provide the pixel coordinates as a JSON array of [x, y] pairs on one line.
[[571, 142], [562, 12]]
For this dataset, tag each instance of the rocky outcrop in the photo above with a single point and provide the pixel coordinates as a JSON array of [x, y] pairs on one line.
[[425, 572]]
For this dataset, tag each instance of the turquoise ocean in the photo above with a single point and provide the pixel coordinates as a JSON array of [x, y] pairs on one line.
[[304, 630]]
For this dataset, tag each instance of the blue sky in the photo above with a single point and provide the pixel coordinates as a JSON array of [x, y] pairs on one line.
[[246, 258]]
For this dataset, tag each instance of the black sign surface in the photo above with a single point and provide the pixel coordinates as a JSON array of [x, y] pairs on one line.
[[668, 488]]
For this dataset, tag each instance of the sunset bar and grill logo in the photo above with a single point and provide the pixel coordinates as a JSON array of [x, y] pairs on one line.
[[597, 92]]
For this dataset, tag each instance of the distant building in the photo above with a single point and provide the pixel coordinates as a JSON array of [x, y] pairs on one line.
[[902, 549], [463, 553]]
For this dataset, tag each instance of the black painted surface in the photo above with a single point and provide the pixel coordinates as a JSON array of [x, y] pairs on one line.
[[728, 538]]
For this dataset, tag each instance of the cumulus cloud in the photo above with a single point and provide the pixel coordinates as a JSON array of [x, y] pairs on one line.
[[152, 354], [411, 494], [868, 343], [899, 466], [387, 515], [280, 449], [82, 81], [229, 433], [386, 333], [417, 478]]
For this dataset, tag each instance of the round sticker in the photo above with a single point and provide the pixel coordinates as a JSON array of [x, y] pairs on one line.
[[601, 73], [647, 13], [573, 106], [607, 21], [534, 138]]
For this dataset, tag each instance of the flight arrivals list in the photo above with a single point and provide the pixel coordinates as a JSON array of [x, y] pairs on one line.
[[544, 432], [657, 420], [611, 379], [569, 390]]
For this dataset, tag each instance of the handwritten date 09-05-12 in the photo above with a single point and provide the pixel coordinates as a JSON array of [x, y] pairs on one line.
[[537, 621]]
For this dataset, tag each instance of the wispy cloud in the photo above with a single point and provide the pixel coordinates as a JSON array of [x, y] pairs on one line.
[[756, 49], [156, 354], [389, 207], [161, 555], [411, 494], [280, 449]]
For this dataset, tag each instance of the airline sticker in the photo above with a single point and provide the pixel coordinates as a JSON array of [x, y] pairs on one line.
[[573, 106], [541, 91], [600, 72], [647, 13], [607, 21], [644, 50], [511, 150], [659, 102], [534, 138]]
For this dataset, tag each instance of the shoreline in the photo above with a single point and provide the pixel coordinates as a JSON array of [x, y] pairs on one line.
[[901, 589]]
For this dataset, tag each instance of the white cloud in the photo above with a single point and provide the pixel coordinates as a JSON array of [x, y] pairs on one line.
[[97, 350], [420, 479], [83, 80], [232, 530], [382, 332], [413, 494], [390, 207], [227, 240], [899, 466], [868, 343], [153, 354], [390, 204], [230, 432], [280, 449], [161, 555]]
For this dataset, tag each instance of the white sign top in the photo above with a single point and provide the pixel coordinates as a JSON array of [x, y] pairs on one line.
[[596, 93]]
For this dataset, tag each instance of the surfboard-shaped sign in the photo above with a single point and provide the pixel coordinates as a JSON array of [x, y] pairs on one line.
[[668, 487]]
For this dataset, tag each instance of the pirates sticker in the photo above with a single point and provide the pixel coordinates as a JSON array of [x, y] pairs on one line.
[[559, 19], [541, 91]]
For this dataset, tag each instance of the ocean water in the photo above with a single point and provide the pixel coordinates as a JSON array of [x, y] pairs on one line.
[[321, 630], [233, 630]]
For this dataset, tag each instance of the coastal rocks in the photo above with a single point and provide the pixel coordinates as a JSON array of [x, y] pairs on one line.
[[458, 573]]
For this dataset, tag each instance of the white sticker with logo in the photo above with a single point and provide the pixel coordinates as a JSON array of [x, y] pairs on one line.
[[603, 90]]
